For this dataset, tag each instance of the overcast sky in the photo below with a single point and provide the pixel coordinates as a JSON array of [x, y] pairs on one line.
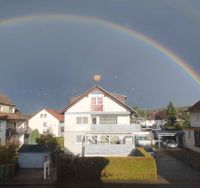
[[44, 62]]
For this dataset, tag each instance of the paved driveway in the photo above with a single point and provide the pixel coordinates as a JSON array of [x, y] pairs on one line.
[[174, 171]]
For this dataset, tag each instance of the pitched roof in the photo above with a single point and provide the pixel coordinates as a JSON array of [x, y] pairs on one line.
[[120, 99], [195, 107], [5, 100], [56, 114], [12, 116], [37, 148]]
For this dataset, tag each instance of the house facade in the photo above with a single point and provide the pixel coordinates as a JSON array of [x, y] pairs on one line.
[[47, 121], [12, 123], [98, 123], [192, 134]]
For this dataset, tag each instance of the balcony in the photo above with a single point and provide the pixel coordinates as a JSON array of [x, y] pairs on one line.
[[115, 128], [97, 107]]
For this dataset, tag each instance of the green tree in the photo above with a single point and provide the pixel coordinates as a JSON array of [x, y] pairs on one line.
[[141, 113], [33, 136], [186, 119], [171, 116], [49, 141]]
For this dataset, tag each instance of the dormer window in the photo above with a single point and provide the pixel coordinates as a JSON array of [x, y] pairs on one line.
[[10, 109], [96, 104]]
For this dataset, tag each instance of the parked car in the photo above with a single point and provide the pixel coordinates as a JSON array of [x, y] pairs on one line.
[[143, 141], [170, 143], [151, 151]]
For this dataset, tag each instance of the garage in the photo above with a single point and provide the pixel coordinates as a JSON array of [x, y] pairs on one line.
[[33, 156]]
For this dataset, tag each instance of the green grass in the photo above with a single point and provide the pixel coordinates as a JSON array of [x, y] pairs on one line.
[[85, 169]]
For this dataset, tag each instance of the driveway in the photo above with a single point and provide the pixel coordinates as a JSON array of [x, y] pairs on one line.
[[175, 171]]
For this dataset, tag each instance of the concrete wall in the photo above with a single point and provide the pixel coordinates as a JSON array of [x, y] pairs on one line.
[[195, 119], [189, 141], [36, 122], [3, 132]]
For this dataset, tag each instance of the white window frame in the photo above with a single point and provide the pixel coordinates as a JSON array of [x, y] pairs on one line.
[[82, 120], [108, 117]]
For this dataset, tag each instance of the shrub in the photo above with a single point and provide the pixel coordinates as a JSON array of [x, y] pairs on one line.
[[107, 168], [8, 155]]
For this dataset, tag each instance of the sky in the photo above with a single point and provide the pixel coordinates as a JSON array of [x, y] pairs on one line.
[[54, 53]]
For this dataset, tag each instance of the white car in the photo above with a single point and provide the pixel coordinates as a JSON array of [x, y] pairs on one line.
[[143, 141], [170, 143]]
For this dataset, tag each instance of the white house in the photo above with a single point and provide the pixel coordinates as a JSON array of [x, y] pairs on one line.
[[192, 134], [12, 123], [48, 121], [97, 123]]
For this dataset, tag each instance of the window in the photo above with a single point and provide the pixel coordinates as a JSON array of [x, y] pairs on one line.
[[45, 115], [44, 124], [107, 120], [94, 120], [197, 138], [10, 109], [41, 115], [81, 120], [62, 129], [1, 126], [96, 104], [79, 139]]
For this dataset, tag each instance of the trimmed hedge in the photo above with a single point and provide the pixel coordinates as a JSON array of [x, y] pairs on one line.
[[107, 168]]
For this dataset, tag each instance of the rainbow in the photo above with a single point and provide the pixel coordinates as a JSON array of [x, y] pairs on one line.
[[74, 18]]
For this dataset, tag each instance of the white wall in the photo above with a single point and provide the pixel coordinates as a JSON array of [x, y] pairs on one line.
[[3, 132], [53, 124], [83, 109], [195, 119], [189, 141], [84, 105]]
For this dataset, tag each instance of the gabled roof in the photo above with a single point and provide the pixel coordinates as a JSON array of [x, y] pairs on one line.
[[56, 114], [112, 96], [5, 100], [12, 116], [195, 107], [37, 148]]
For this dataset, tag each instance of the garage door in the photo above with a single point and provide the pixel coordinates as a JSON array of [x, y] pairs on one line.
[[31, 160]]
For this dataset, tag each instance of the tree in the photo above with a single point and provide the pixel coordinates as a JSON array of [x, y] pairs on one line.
[[171, 116], [33, 136], [49, 141], [186, 121], [141, 113]]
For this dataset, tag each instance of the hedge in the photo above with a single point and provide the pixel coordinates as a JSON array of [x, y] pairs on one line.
[[107, 168]]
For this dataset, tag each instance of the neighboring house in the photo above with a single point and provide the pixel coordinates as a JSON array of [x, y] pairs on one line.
[[97, 123], [33, 156], [192, 134], [47, 121], [12, 123]]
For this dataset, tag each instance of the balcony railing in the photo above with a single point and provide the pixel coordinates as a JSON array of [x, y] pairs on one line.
[[115, 128], [96, 107]]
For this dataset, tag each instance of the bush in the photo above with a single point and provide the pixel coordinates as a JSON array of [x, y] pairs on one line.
[[107, 168], [8, 155]]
